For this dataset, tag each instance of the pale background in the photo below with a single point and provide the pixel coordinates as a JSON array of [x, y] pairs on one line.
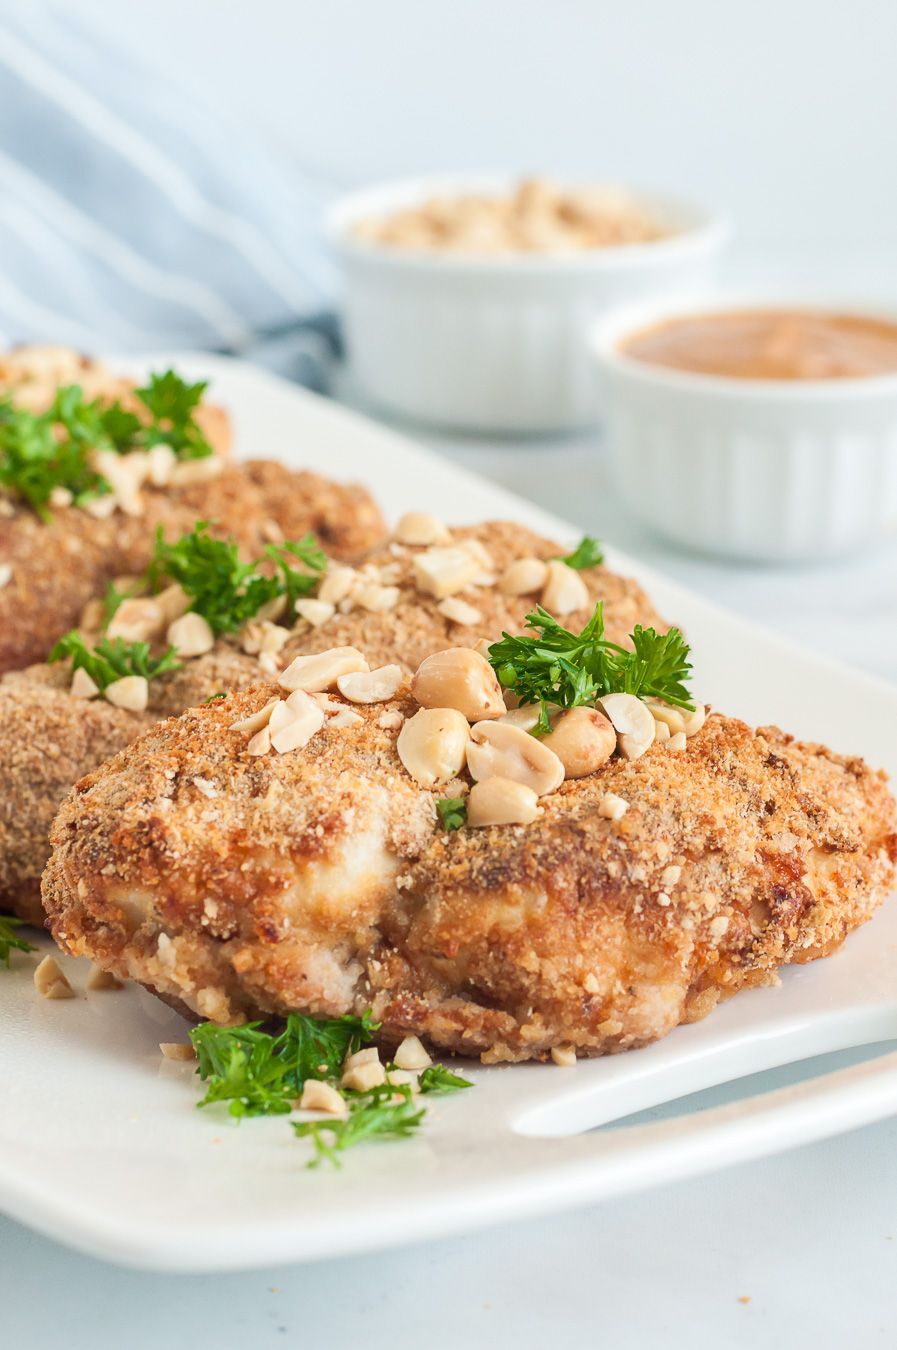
[[784, 114], [781, 111]]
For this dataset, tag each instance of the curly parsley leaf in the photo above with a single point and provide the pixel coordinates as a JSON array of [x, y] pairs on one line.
[[43, 451], [657, 667], [588, 553], [226, 591], [241, 1068], [34, 461], [452, 812], [112, 660], [318, 1046], [437, 1078], [172, 403], [261, 1073], [294, 583], [384, 1112], [122, 428], [561, 669], [10, 941]]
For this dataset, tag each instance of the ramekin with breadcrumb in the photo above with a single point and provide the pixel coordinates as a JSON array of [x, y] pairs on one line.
[[468, 301]]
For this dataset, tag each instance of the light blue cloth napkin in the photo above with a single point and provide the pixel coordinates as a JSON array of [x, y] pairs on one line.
[[132, 217]]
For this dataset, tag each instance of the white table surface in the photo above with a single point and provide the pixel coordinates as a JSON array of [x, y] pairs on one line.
[[798, 1250]]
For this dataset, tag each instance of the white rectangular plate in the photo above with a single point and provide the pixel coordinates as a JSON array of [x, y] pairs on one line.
[[100, 1142]]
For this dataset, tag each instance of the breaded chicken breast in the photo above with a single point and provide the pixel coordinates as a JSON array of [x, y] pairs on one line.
[[238, 885], [413, 628], [58, 565]]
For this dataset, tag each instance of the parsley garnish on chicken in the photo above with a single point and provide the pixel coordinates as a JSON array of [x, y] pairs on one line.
[[452, 813], [43, 451], [112, 660], [226, 591], [561, 669], [34, 461], [171, 403], [588, 553]]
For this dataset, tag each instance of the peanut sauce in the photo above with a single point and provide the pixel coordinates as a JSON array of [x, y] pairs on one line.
[[770, 345]]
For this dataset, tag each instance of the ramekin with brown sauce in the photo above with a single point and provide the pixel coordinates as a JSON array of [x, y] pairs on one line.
[[758, 430]]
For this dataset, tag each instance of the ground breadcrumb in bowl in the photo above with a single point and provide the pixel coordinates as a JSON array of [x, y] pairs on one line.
[[495, 339]]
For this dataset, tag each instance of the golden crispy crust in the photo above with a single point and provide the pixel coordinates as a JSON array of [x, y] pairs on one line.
[[408, 633], [320, 880], [59, 565]]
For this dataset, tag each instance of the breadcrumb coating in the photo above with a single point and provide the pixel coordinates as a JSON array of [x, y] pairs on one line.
[[413, 629], [320, 880]]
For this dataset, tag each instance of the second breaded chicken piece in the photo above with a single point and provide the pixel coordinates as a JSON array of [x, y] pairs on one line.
[[56, 566], [320, 880]]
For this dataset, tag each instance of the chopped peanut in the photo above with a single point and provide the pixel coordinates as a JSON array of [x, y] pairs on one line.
[[445, 571], [50, 981], [178, 1050], [321, 671], [99, 980], [191, 634], [523, 577], [459, 678], [416, 527], [372, 686], [363, 1077], [130, 692], [319, 1096], [459, 611], [432, 745], [412, 1054], [501, 801], [82, 685], [612, 807]]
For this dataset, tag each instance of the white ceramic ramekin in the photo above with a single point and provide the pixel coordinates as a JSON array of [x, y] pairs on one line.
[[766, 470], [498, 342]]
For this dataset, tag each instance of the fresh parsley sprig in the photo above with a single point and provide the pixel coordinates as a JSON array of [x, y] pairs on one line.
[[452, 813], [43, 451], [226, 591], [9, 939], [384, 1112], [34, 460], [259, 1073], [561, 669], [171, 403], [588, 553], [437, 1078], [112, 660]]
